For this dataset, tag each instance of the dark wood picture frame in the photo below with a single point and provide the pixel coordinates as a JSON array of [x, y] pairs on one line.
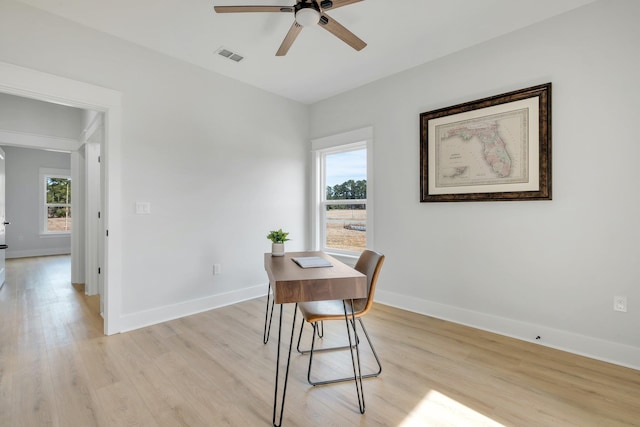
[[496, 125]]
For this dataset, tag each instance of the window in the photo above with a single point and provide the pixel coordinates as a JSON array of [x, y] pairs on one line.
[[56, 201], [342, 214]]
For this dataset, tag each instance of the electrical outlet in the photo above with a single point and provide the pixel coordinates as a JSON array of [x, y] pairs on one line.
[[216, 269], [620, 303]]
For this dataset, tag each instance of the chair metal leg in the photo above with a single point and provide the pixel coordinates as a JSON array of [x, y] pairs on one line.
[[321, 335], [300, 337], [268, 316], [357, 339], [373, 350]]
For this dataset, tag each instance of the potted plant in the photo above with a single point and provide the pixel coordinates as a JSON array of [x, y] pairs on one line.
[[277, 237]]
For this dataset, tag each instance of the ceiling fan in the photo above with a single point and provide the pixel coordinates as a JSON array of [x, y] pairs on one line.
[[307, 13]]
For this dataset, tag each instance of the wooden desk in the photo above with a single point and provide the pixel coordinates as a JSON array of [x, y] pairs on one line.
[[293, 284]]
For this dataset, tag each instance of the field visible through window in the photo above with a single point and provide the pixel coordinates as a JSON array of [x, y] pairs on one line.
[[347, 229], [59, 224]]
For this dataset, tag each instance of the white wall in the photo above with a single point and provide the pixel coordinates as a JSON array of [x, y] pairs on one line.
[[22, 197], [219, 161], [548, 268], [17, 114]]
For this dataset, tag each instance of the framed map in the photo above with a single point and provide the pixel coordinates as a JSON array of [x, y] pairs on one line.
[[492, 149]]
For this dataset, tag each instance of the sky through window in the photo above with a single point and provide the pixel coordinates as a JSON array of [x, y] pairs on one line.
[[341, 167]]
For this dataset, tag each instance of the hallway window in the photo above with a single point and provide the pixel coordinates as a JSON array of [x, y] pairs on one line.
[[56, 199]]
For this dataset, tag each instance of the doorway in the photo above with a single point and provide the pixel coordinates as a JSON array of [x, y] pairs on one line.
[[47, 194], [34, 84]]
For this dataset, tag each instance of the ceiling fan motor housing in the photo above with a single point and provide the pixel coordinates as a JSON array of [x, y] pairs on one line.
[[307, 14]]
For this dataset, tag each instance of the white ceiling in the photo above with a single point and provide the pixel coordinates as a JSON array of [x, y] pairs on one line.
[[400, 34]]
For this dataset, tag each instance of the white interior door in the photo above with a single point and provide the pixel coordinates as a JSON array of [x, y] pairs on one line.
[[3, 221], [93, 212]]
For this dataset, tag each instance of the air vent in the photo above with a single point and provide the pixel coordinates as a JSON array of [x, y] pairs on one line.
[[229, 54]]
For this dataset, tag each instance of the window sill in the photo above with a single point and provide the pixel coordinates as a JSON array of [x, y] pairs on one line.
[[349, 259], [53, 235]]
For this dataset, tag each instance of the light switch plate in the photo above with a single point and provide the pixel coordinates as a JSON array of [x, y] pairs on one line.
[[143, 208]]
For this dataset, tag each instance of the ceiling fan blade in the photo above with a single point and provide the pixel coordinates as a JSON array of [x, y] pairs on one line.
[[289, 39], [339, 3], [240, 9], [341, 32]]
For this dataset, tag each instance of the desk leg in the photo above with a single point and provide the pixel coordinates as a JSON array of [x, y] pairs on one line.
[[268, 317], [286, 374], [357, 371]]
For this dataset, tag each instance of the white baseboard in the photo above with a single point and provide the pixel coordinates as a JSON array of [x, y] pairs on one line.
[[594, 348], [141, 319], [37, 252]]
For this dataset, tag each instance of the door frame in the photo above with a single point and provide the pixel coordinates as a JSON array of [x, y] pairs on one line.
[[3, 217], [92, 202], [29, 83]]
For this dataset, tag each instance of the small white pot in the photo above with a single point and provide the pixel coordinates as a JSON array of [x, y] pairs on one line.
[[277, 249]]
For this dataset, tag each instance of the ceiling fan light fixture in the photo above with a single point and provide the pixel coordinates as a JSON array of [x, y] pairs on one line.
[[307, 17]]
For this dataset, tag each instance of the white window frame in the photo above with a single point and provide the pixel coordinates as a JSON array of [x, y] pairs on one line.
[[44, 174], [348, 141]]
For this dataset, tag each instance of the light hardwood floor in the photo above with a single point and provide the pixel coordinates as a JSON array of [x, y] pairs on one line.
[[211, 369]]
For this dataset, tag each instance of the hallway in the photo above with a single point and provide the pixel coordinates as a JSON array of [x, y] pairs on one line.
[[43, 318]]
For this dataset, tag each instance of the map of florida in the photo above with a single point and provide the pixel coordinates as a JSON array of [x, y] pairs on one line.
[[494, 149]]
